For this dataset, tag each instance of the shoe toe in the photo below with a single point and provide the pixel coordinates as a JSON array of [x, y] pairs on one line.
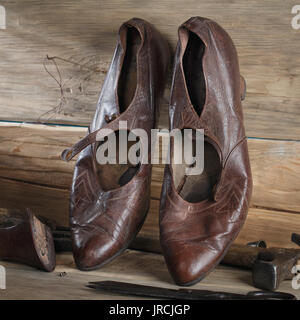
[[97, 250], [191, 263]]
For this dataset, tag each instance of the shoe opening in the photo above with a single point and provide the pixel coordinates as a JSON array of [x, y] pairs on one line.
[[199, 187], [128, 77], [193, 71], [115, 175]]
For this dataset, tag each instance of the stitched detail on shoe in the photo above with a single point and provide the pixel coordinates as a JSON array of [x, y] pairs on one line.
[[233, 149], [92, 229]]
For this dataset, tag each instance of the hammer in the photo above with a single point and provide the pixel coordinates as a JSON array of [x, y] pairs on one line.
[[270, 266]]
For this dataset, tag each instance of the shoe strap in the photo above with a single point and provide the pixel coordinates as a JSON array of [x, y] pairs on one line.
[[69, 153], [112, 124]]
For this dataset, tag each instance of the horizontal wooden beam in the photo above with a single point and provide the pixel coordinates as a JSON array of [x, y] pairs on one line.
[[46, 201], [31, 153], [83, 38]]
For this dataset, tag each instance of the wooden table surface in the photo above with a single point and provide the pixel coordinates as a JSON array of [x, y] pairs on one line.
[[133, 266]]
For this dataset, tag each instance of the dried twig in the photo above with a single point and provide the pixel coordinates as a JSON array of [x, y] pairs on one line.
[[62, 99]]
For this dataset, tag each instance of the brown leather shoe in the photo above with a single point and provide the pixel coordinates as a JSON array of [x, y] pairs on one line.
[[109, 202], [25, 239], [201, 215]]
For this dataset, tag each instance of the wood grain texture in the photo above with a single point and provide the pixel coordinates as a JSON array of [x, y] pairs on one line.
[[83, 33], [141, 268], [31, 153], [47, 201]]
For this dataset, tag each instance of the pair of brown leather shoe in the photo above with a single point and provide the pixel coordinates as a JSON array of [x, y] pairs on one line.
[[200, 215]]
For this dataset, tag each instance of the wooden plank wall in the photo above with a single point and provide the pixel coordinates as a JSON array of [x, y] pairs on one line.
[[82, 35]]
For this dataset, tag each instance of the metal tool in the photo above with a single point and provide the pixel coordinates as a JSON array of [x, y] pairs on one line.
[[130, 289], [270, 266], [62, 239]]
